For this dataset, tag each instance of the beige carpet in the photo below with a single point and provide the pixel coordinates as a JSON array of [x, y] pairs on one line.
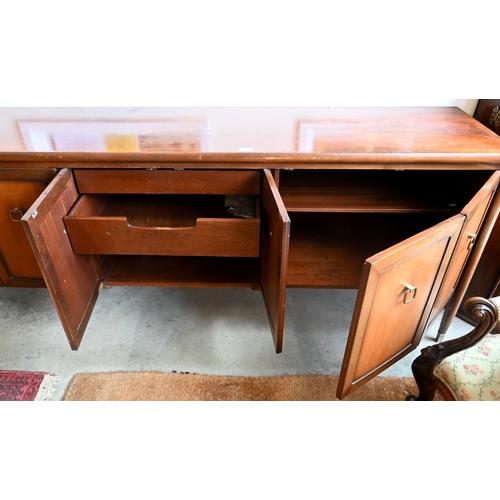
[[157, 386]]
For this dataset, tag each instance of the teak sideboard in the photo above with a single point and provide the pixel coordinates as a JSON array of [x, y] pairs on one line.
[[397, 203]]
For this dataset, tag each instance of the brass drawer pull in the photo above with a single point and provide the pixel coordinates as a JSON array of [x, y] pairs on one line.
[[16, 214], [472, 239], [408, 290]]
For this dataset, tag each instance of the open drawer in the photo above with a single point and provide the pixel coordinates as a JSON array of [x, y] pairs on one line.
[[189, 225]]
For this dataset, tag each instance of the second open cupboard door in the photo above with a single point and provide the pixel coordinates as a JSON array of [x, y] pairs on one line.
[[275, 242], [73, 280], [397, 290], [475, 212]]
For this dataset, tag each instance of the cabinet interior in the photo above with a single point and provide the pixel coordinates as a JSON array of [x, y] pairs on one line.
[[168, 211], [340, 218], [327, 250], [378, 190], [148, 270]]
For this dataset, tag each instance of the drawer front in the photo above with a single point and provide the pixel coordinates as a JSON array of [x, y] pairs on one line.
[[148, 225], [242, 182]]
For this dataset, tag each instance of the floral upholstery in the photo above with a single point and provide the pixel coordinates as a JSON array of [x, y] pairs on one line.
[[473, 374]]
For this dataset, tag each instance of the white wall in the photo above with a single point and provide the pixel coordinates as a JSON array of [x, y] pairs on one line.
[[164, 53]]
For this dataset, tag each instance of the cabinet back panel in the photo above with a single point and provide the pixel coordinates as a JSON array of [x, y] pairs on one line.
[[329, 250], [142, 270]]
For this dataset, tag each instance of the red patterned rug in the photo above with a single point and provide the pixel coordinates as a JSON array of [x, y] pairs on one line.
[[26, 386]]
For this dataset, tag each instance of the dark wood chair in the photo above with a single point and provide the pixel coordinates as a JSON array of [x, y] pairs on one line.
[[466, 368]]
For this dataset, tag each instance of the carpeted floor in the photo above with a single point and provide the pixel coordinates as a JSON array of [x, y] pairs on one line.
[[158, 386]]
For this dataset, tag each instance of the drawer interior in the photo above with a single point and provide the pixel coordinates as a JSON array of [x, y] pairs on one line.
[[156, 210], [190, 225]]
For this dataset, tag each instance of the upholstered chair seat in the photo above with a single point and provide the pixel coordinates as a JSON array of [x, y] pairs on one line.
[[467, 368], [472, 374]]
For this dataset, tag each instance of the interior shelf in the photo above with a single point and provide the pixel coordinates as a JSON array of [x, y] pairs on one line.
[[379, 191]]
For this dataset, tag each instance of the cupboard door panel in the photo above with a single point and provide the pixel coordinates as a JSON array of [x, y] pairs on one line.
[[73, 280], [470, 266], [397, 290], [275, 242], [474, 212]]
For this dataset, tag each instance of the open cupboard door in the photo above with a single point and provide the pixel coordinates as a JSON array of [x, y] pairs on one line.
[[397, 291], [73, 280], [275, 242], [475, 212]]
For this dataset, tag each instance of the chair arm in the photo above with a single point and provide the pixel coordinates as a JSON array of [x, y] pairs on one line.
[[485, 311]]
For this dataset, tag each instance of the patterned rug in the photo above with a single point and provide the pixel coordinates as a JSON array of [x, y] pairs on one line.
[[26, 386]]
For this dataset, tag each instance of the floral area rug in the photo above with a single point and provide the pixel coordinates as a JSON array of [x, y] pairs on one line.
[[27, 386]]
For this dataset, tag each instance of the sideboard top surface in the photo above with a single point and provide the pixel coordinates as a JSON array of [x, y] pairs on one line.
[[247, 134]]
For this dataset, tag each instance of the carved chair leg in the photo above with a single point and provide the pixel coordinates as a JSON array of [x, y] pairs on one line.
[[422, 373]]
